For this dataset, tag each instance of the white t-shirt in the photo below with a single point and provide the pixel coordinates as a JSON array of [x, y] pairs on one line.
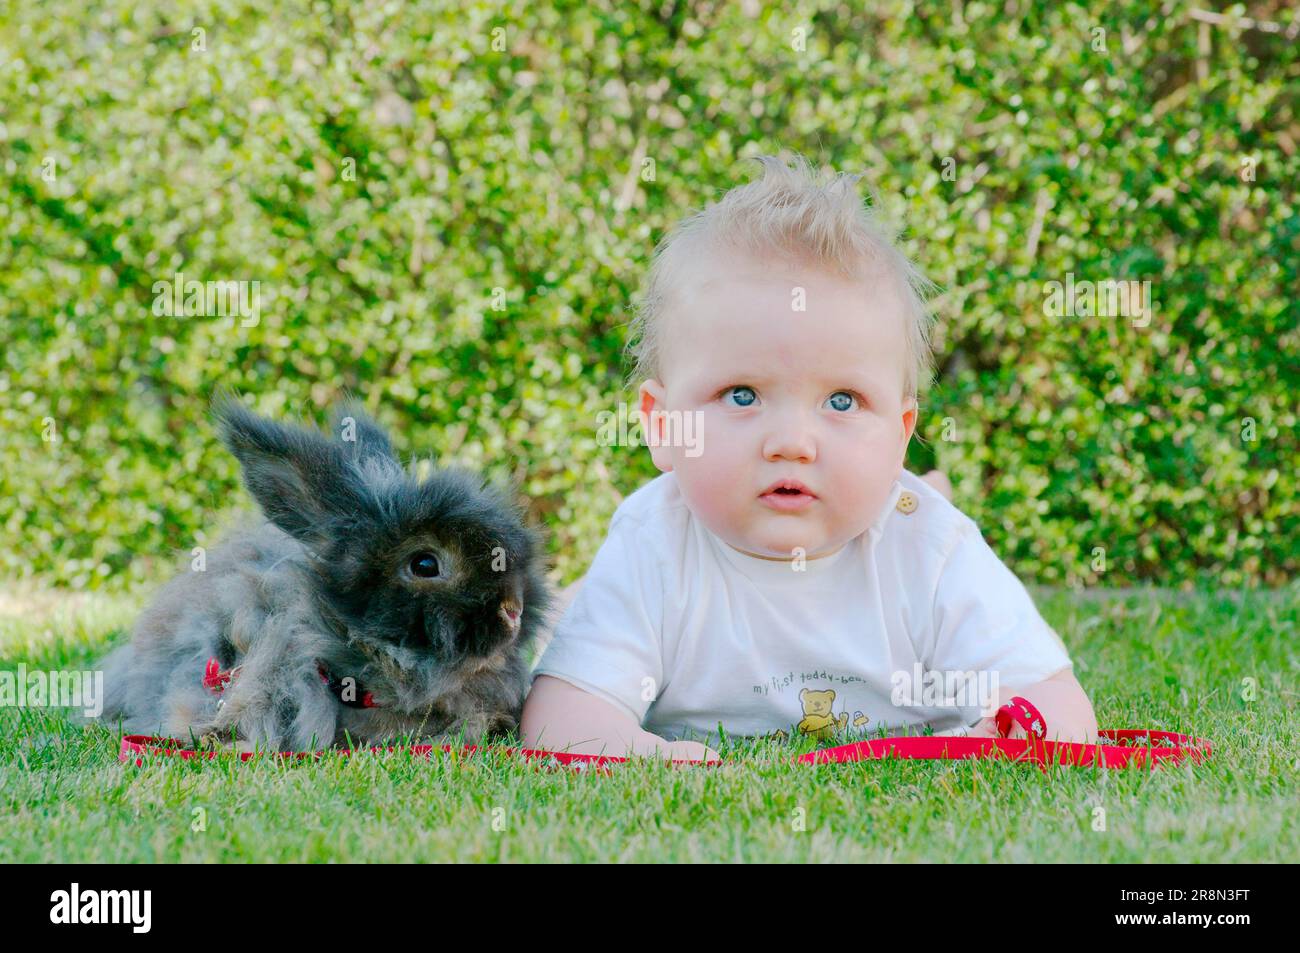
[[688, 634]]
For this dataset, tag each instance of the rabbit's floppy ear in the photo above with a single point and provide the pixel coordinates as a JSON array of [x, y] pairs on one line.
[[359, 434], [296, 475]]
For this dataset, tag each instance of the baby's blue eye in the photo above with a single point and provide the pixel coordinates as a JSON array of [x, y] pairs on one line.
[[841, 400], [743, 396]]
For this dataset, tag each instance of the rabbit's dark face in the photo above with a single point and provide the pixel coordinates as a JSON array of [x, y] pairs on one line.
[[445, 570], [441, 569]]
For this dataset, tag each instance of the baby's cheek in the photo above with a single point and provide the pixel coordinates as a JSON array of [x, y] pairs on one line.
[[862, 478], [712, 487], [717, 484]]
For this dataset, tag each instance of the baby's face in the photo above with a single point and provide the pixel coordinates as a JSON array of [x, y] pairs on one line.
[[810, 398]]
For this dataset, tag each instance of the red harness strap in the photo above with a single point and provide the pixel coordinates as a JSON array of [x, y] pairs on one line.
[[1022, 712], [1116, 748], [1127, 748], [216, 681]]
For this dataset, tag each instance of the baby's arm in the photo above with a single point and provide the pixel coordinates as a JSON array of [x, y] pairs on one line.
[[559, 716], [1063, 703]]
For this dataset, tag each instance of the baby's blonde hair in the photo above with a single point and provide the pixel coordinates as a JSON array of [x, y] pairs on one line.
[[787, 211]]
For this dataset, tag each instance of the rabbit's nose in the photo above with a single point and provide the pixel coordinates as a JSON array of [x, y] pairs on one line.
[[510, 611]]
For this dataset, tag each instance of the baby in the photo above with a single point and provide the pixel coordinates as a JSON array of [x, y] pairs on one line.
[[785, 574]]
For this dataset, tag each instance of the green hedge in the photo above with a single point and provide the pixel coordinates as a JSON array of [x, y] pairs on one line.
[[511, 148]]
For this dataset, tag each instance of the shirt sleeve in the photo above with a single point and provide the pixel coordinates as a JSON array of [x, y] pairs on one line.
[[609, 640], [986, 622]]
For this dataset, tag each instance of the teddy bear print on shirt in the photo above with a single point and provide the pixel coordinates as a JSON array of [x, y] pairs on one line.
[[819, 721]]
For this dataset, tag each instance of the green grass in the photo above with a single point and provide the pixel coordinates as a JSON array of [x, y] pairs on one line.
[[1163, 660]]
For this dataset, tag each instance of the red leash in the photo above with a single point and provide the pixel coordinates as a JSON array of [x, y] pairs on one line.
[[137, 747], [1130, 748]]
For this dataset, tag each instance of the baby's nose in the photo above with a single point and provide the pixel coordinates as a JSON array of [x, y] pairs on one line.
[[791, 442]]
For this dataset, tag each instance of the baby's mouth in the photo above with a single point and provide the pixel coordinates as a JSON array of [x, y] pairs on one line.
[[787, 496]]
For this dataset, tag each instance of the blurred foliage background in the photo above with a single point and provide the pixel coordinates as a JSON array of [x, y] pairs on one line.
[[450, 208]]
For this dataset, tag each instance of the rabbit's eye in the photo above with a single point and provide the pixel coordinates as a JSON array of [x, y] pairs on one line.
[[424, 565]]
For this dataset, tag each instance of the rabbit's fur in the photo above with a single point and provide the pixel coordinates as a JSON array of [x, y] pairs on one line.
[[336, 578]]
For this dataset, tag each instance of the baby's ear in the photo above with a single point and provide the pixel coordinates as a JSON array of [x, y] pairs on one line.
[[652, 396], [296, 476], [911, 411]]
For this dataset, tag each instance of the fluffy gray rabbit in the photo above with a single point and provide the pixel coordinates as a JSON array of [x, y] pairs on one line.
[[368, 604]]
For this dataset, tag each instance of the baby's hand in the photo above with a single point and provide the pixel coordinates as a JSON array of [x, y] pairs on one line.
[[650, 744], [1066, 711], [1064, 707], [988, 728], [559, 716]]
